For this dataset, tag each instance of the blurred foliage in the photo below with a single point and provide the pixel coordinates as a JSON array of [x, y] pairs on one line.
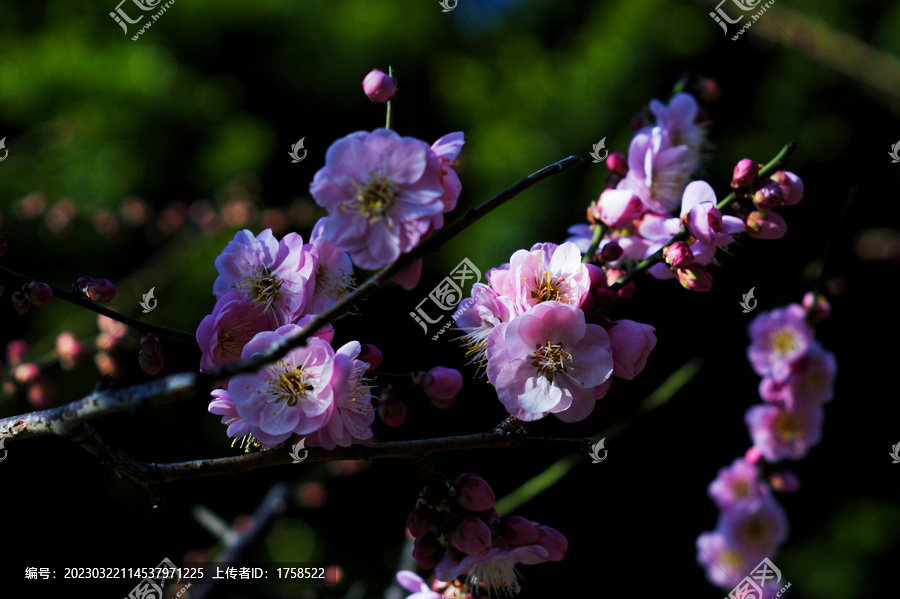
[[138, 160]]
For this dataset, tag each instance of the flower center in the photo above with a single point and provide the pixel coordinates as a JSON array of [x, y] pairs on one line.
[[288, 384], [788, 427], [741, 488], [730, 559], [548, 289], [263, 287], [551, 358], [782, 342], [755, 529], [332, 283], [374, 200], [499, 577], [230, 341]]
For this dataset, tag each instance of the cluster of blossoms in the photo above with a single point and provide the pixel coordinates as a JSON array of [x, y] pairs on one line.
[[459, 534], [529, 328], [636, 214], [798, 379], [267, 289]]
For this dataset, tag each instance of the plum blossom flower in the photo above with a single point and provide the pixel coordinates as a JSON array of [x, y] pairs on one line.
[[413, 582], [706, 222], [549, 360], [234, 321], [678, 120], [658, 170], [381, 192], [477, 316], [724, 565], [447, 150], [811, 383], [353, 412], [778, 338], [275, 275], [292, 396], [333, 274], [757, 532], [779, 434], [738, 487], [549, 273], [237, 429]]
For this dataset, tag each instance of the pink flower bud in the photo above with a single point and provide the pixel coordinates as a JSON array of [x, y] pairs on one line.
[[753, 456], [791, 187], [26, 373], [20, 302], [784, 482], [553, 541], [81, 282], [695, 278], [518, 531], [678, 255], [617, 164], [391, 410], [817, 306], [471, 536], [150, 357], [473, 492], [3, 246], [379, 87], [610, 252], [16, 351], [371, 355], [420, 521], [768, 196], [762, 225], [631, 343], [69, 350], [442, 383], [745, 173], [100, 290], [38, 293], [427, 551], [619, 207]]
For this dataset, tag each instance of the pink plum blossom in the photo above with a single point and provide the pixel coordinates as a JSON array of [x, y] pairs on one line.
[[779, 434], [549, 273], [738, 487], [234, 321], [478, 315], [353, 412], [381, 192], [706, 222], [791, 187], [224, 407], [447, 150], [292, 396], [756, 532], [631, 343], [275, 275], [811, 383], [442, 383], [619, 207], [658, 170], [778, 339], [549, 360], [333, 273], [766, 225], [724, 565], [678, 119]]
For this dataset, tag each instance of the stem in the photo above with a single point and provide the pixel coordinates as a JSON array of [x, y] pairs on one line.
[[390, 104], [597, 237], [773, 164], [74, 298]]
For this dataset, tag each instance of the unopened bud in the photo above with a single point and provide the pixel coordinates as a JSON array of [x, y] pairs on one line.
[[791, 187], [678, 255], [391, 409], [150, 357], [745, 173], [617, 164], [473, 493], [610, 252], [768, 196], [708, 90], [100, 290], [471, 536], [371, 355], [427, 551], [379, 86], [38, 293], [440, 383], [817, 306], [518, 531], [695, 278], [420, 521], [16, 351], [784, 482]]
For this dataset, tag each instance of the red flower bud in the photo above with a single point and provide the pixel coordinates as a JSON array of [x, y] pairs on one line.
[[100, 290], [473, 492], [379, 87], [38, 293], [617, 164], [20, 302], [745, 173]]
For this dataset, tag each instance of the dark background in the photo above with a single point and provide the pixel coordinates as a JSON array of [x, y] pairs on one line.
[[195, 119]]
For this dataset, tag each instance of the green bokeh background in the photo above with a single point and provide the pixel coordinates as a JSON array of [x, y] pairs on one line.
[[200, 112]]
